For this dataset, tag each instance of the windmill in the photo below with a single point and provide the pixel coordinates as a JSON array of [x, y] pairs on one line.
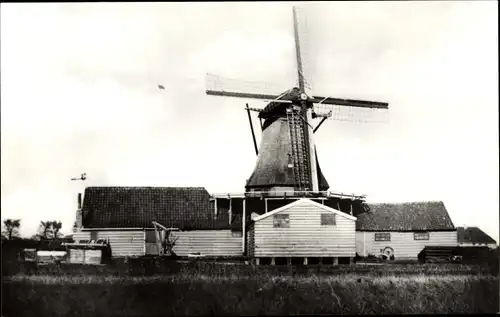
[[287, 159]]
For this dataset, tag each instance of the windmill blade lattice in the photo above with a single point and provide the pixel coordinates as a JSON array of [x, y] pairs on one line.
[[354, 114], [305, 50], [222, 84]]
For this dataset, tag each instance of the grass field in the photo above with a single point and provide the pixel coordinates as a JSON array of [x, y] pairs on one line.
[[206, 289]]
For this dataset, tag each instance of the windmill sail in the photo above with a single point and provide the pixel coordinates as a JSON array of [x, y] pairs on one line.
[[287, 157]]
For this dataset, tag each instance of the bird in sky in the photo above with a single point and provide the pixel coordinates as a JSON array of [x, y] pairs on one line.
[[161, 87]]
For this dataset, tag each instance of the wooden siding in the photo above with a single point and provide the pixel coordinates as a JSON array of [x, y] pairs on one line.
[[123, 242], [403, 244], [207, 242], [85, 256], [305, 235]]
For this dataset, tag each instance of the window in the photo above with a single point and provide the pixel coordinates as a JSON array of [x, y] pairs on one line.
[[93, 235], [281, 221], [328, 219], [382, 236], [421, 236]]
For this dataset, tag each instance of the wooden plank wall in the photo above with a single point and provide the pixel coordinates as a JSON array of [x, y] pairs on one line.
[[305, 236], [403, 244], [207, 242], [123, 243], [85, 256]]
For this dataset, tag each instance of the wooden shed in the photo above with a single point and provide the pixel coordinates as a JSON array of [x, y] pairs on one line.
[[402, 230], [124, 216], [302, 232]]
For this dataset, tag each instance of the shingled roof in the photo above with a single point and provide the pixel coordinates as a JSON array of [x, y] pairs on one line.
[[187, 208], [473, 235], [412, 216]]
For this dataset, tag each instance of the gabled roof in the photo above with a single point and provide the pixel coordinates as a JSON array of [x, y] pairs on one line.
[[411, 216], [300, 202], [187, 208], [473, 235]]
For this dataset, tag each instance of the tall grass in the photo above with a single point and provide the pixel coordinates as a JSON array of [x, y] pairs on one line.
[[139, 269], [195, 293]]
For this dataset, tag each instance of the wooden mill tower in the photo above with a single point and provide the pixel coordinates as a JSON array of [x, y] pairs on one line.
[[287, 159]]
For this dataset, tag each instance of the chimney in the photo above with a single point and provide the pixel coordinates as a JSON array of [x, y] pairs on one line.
[[79, 214], [79, 200]]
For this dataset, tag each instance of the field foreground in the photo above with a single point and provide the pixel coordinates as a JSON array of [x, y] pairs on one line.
[[192, 292]]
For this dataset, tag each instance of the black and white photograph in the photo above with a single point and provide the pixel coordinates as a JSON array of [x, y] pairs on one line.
[[249, 158]]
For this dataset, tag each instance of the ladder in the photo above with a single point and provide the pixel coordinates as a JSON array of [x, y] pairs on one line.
[[298, 149]]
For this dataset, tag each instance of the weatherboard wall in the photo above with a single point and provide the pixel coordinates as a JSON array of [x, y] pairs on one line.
[[122, 242], [305, 236], [208, 242], [403, 243]]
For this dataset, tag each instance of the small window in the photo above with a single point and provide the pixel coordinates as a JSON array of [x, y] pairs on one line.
[[93, 235], [421, 236], [281, 221], [328, 219], [236, 234], [382, 236]]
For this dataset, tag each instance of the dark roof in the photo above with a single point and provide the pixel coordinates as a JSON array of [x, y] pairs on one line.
[[274, 108], [473, 235], [412, 216], [187, 208]]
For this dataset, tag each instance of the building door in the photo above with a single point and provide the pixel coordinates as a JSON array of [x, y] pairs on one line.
[[93, 236], [151, 246]]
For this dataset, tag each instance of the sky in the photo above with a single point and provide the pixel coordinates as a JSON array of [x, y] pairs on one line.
[[79, 95]]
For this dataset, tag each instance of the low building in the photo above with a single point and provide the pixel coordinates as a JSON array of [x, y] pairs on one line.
[[474, 237], [302, 229], [402, 230], [124, 215], [332, 227]]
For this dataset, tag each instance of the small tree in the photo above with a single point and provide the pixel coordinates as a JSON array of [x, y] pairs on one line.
[[56, 228], [49, 230], [11, 228]]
